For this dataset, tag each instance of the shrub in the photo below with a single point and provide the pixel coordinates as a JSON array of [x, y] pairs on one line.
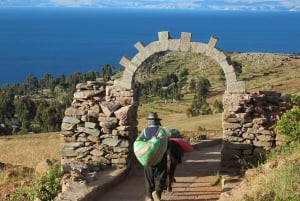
[[289, 124], [200, 128], [197, 137], [48, 185]]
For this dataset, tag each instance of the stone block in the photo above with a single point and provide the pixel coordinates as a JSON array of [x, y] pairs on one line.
[[212, 42], [68, 152], [93, 138], [137, 61], [83, 150], [109, 107], [155, 47], [125, 61], [71, 112], [87, 94], [259, 121], [123, 144], [108, 124], [230, 77], [233, 138], [248, 136], [110, 142], [226, 125], [67, 127], [233, 120], [122, 113], [174, 44], [90, 125], [198, 47], [139, 46], [118, 161], [163, 35], [185, 44], [264, 144], [120, 149], [236, 87], [96, 152], [95, 132], [265, 138]]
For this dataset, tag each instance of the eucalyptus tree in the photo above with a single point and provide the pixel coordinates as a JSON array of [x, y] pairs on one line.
[[31, 84], [106, 71]]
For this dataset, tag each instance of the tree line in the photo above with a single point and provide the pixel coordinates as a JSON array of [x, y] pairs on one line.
[[38, 105]]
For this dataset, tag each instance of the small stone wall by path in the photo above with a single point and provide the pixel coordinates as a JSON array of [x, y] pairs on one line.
[[248, 125], [98, 130]]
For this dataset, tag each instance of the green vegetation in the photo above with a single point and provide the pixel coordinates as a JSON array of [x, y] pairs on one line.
[[217, 180], [289, 125], [197, 137], [39, 105], [278, 183], [46, 187]]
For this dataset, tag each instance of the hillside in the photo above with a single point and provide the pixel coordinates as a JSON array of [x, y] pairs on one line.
[[261, 71]]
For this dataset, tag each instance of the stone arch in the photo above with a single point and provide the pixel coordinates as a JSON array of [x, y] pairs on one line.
[[184, 44], [234, 94]]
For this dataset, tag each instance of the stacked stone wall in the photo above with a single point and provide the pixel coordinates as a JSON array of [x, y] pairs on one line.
[[98, 130], [248, 125]]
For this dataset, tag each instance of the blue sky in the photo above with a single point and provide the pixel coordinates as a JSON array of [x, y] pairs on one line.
[[268, 5]]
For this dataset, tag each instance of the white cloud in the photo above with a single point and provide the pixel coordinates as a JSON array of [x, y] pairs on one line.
[[177, 5], [72, 3], [165, 4]]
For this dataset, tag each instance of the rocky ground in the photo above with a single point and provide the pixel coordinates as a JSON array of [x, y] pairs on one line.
[[10, 175]]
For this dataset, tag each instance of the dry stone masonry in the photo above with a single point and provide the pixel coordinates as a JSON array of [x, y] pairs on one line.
[[98, 130], [248, 125]]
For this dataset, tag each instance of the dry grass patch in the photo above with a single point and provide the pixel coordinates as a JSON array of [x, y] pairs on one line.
[[211, 124], [20, 154], [29, 150]]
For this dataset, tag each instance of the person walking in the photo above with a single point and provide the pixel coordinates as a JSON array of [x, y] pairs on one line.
[[156, 174]]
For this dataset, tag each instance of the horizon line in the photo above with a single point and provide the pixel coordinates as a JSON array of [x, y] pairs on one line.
[[157, 9]]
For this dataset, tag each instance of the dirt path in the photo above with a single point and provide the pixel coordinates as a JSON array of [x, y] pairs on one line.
[[193, 179]]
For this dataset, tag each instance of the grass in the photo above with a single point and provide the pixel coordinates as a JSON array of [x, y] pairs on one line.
[[217, 180], [277, 182], [181, 122], [20, 154], [29, 150]]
